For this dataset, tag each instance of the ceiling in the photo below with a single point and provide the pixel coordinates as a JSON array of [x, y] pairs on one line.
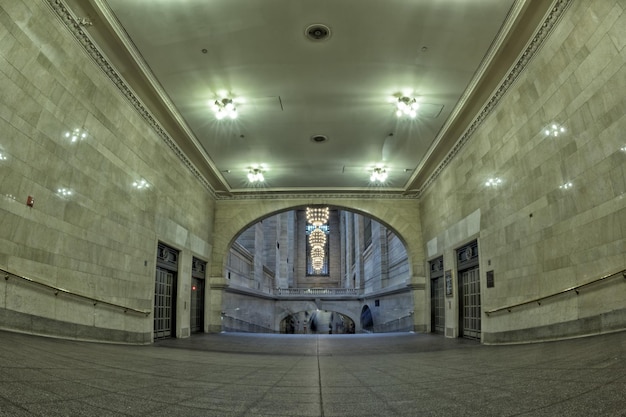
[[179, 55]]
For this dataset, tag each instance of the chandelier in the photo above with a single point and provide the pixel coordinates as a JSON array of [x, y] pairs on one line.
[[407, 106], [224, 108], [317, 216], [317, 238], [317, 264], [379, 174]]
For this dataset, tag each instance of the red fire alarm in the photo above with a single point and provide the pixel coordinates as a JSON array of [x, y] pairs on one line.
[[30, 201]]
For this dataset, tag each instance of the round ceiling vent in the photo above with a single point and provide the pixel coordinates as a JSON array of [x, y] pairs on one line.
[[319, 138], [317, 32]]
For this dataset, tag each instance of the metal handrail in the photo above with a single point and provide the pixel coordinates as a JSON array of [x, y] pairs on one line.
[[540, 299], [57, 290]]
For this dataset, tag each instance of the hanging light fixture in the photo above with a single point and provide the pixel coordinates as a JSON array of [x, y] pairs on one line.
[[407, 106], [224, 107], [379, 174], [317, 264], [317, 238], [317, 216], [317, 252]]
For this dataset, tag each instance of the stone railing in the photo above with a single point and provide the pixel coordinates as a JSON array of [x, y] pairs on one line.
[[317, 292]]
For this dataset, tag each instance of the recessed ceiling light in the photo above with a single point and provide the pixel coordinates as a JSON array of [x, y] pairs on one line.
[[317, 32], [319, 138]]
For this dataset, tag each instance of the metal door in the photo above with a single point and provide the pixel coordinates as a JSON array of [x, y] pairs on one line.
[[197, 305], [437, 306], [469, 297], [164, 301]]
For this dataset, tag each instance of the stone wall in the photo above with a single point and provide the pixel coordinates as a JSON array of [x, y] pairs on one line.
[[538, 235], [101, 240]]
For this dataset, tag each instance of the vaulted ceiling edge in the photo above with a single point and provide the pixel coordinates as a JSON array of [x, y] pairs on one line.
[[77, 29]]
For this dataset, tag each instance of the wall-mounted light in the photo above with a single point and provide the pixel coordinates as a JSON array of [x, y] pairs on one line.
[[64, 192], [493, 182], [141, 184], [554, 130], [76, 135]]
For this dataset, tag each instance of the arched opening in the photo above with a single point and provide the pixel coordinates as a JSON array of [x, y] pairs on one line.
[[269, 269], [367, 321], [317, 322]]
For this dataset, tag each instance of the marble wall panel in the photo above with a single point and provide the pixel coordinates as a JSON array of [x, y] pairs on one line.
[[101, 241], [538, 237]]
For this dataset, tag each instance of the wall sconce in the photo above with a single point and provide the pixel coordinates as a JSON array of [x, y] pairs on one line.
[[554, 130], [493, 182], [141, 184], [76, 134]]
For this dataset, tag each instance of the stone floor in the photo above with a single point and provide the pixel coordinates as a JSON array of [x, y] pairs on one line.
[[331, 375]]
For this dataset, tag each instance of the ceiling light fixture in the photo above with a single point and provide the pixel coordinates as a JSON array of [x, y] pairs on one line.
[[255, 175], [3, 157], [379, 174], [566, 186], [224, 107], [317, 216], [76, 134], [554, 130], [407, 106]]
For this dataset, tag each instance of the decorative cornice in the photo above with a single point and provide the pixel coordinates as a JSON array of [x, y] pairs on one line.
[[76, 27], [534, 45], [320, 196]]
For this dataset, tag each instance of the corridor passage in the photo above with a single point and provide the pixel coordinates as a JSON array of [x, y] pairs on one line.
[[326, 375]]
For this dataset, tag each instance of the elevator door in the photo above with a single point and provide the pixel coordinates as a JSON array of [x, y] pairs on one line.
[[437, 306], [469, 296], [197, 305], [164, 297]]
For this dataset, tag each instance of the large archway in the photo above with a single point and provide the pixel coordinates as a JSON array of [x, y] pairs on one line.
[[233, 216], [317, 322]]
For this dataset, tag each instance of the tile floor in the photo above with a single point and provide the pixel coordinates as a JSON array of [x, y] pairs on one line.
[[330, 375]]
